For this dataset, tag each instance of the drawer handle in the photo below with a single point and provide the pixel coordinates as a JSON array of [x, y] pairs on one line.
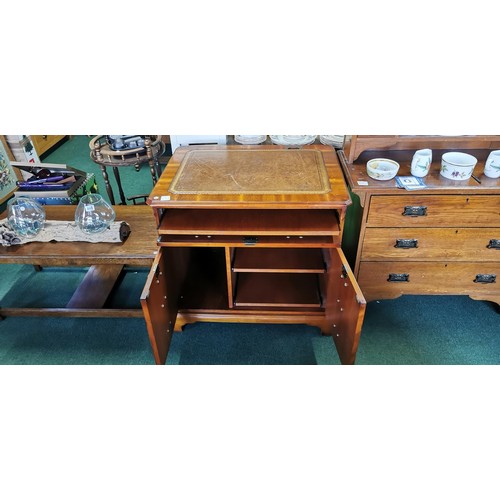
[[494, 244], [415, 211], [485, 278], [401, 277], [406, 243], [250, 240]]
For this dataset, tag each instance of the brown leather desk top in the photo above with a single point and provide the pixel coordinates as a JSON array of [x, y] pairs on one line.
[[264, 176]]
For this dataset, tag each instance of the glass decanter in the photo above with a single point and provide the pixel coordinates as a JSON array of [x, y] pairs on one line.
[[94, 214], [26, 217]]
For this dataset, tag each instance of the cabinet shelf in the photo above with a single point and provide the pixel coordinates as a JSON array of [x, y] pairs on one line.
[[250, 222], [277, 290], [278, 260]]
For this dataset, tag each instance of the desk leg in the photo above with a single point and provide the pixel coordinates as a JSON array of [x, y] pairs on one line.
[[119, 183], [107, 184]]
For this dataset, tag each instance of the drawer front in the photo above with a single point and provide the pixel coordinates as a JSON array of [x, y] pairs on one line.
[[434, 211], [391, 279], [428, 244], [43, 143]]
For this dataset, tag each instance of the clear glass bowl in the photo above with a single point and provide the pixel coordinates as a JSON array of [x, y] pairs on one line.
[[94, 214], [26, 217]]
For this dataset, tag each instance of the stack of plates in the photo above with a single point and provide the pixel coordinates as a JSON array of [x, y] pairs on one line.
[[293, 140], [250, 139], [337, 141]]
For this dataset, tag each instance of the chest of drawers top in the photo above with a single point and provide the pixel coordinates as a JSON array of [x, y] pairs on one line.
[[354, 159]]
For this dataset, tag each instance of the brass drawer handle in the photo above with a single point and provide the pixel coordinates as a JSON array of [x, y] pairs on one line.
[[406, 243], [400, 277], [415, 211], [250, 240], [485, 278], [494, 244]]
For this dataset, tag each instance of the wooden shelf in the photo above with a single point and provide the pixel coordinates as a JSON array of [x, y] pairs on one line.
[[278, 260], [354, 145], [240, 241], [277, 290], [250, 222]]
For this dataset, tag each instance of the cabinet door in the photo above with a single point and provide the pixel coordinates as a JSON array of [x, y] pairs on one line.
[[160, 299], [345, 306]]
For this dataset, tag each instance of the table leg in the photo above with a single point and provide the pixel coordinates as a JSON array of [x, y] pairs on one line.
[[152, 168], [158, 168], [151, 159], [119, 183], [107, 184]]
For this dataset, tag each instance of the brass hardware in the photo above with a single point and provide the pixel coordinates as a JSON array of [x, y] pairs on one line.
[[406, 243], [401, 277], [344, 272], [485, 278], [415, 211], [250, 240]]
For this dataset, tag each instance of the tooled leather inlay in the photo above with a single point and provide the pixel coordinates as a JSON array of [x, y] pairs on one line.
[[263, 171]]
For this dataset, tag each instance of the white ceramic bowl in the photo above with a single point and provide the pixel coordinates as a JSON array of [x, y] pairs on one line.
[[382, 169], [457, 166]]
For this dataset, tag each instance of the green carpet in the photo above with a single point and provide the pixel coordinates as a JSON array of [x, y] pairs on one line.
[[411, 330]]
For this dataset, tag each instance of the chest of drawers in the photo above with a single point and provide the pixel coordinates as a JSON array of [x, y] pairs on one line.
[[43, 143], [444, 239]]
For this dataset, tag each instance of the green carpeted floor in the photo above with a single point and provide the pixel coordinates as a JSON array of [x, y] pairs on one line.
[[408, 330]]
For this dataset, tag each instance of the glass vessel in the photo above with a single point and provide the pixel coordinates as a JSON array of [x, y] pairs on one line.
[[94, 214], [26, 217]]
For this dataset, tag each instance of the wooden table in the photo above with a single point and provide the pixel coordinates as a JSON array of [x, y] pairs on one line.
[[102, 154], [106, 262]]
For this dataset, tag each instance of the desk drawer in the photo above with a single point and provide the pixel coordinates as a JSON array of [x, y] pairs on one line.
[[391, 279], [428, 244], [434, 211]]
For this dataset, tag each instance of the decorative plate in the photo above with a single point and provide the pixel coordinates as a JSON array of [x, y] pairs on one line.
[[250, 139], [293, 140], [336, 141]]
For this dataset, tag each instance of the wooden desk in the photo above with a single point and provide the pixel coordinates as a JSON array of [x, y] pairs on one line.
[[106, 261], [252, 234]]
